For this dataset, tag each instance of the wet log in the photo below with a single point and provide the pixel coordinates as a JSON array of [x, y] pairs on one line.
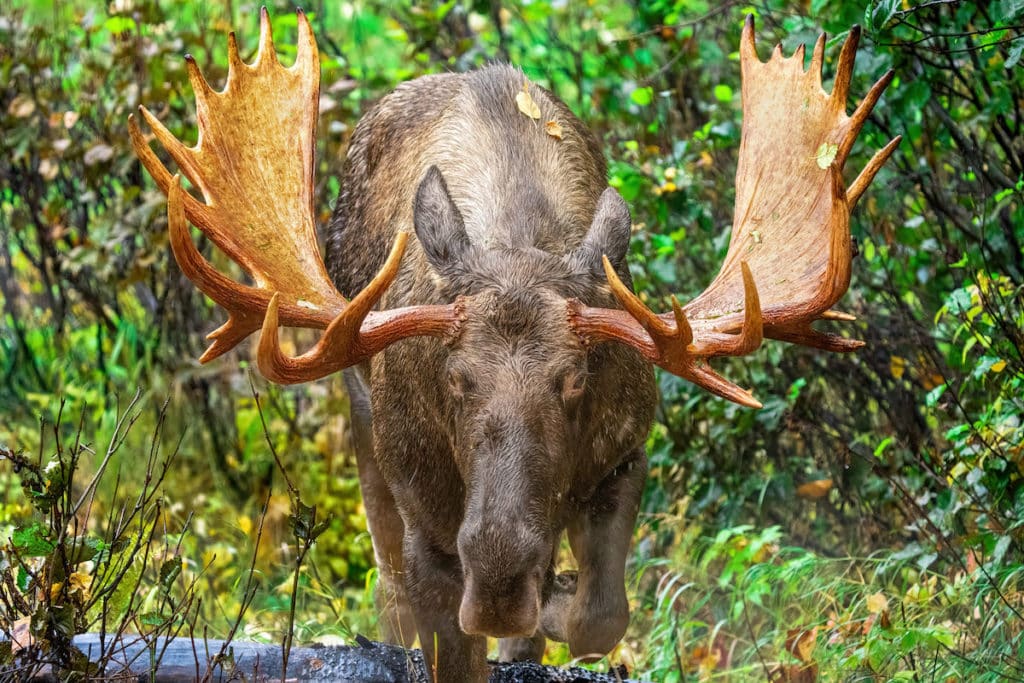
[[162, 660]]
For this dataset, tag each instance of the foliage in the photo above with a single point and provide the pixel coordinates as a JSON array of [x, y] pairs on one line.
[[73, 568], [895, 472]]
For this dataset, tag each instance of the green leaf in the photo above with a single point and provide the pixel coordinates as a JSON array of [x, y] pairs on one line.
[[642, 96], [932, 399], [33, 541], [723, 93], [826, 154]]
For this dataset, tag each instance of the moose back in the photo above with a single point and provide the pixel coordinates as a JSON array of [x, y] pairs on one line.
[[501, 373]]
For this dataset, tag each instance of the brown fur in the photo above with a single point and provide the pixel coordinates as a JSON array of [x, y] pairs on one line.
[[476, 455]]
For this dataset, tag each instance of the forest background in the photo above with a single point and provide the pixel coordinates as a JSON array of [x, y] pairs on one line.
[[865, 525]]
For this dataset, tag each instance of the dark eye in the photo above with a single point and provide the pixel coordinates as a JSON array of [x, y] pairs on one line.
[[459, 383], [574, 382]]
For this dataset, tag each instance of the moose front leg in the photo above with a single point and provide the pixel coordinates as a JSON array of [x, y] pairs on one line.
[[596, 616], [433, 581]]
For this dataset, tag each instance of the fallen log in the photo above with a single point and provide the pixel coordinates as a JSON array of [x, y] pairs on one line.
[[165, 660]]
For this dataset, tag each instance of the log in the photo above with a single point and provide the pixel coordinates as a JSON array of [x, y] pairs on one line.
[[164, 660]]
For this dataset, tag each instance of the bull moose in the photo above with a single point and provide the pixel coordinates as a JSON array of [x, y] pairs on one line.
[[500, 374]]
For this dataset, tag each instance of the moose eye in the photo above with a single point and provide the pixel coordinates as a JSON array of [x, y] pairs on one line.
[[459, 383], [573, 384]]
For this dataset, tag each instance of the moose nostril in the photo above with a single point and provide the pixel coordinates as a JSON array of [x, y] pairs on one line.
[[501, 614]]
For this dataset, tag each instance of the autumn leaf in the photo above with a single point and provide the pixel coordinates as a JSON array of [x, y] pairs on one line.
[[554, 129], [526, 103], [897, 366], [801, 643], [814, 489]]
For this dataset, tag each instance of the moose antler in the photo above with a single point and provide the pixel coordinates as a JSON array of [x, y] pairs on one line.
[[253, 164], [791, 230]]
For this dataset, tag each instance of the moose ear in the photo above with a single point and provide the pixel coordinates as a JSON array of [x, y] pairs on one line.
[[438, 222], [608, 236]]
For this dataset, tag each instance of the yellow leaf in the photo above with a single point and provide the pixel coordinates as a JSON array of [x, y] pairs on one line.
[[79, 584], [998, 366], [526, 103], [877, 603], [897, 366], [814, 489], [826, 154], [554, 129]]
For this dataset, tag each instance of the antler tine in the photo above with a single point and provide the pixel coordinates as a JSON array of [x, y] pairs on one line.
[[183, 156], [200, 86], [346, 340], [844, 68], [655, 326], [223, 290], [817, 57], [305, 48], [748, 46], [234, 60], [860, 116], [804, 335], [266, 49], [863, 180], [751, 332]]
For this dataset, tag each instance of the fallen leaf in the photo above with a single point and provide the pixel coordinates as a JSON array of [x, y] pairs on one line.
[[814, 489], [826, 154], [70, 118], [801, 643], [554, 129], [526, 103]]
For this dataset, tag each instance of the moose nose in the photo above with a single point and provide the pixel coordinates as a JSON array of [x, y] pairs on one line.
[[501, 611]]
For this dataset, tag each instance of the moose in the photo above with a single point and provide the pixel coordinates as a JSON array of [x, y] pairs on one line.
[[500, 374]]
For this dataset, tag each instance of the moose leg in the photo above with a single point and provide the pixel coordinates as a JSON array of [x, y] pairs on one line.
[[598, 613], [434, 584], [386, 527], [522, 649]]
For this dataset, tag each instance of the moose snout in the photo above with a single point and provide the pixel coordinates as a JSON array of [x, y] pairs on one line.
[[503, 567], [510, 608]]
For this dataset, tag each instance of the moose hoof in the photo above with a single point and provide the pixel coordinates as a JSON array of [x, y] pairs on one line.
[[557, 604]]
